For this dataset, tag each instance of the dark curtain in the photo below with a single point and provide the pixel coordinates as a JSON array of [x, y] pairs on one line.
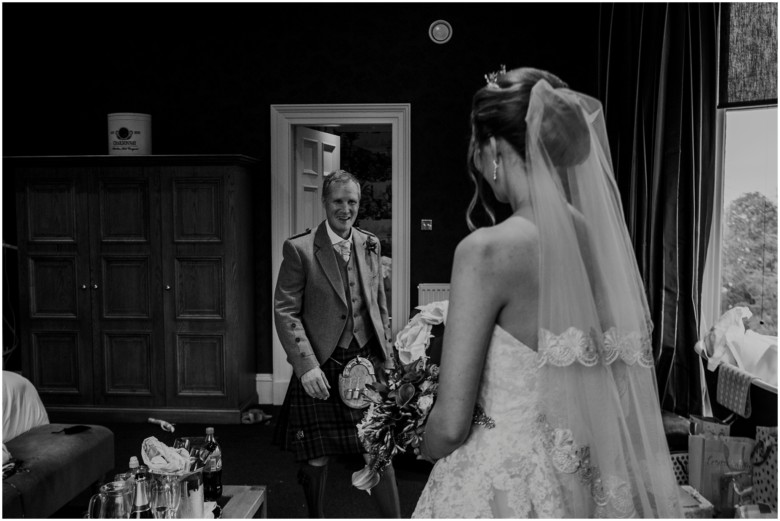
[[658, 81]]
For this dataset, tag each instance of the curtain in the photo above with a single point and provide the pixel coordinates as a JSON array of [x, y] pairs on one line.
[[658, 84], [748, 49]]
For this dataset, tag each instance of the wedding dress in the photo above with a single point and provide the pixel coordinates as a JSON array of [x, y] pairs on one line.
[[502, 471], [572, 428]]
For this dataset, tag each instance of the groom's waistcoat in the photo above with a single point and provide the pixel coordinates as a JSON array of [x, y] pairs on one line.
[[358, 321]]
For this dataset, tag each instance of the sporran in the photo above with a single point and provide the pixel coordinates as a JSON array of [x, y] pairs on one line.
[[352, 383]]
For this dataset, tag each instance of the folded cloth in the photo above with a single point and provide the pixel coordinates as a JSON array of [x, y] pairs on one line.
[[734, 389], [162, 458]]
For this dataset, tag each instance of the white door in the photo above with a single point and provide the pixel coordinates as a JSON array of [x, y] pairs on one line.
[[316, 154], [285, 120]]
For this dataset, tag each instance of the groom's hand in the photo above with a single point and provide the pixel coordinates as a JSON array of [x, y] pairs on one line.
[[315, 384]]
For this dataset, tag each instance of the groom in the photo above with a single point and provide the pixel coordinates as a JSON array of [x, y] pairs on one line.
[[329, 307]]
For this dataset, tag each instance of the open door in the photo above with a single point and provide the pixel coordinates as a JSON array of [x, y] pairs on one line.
[[289, 185], [316, 154]]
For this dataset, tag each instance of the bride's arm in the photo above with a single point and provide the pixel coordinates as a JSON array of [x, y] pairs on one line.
[[475, 300]]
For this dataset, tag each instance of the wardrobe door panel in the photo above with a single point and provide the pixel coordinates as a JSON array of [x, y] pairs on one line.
[[127, 317], [200, 361], [128, 359], [54, 281], [197, 209]]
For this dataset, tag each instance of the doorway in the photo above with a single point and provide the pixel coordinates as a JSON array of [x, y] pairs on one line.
[[285, 119]]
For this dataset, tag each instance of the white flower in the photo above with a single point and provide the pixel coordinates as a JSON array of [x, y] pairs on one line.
[[434, 313], [425, 403], [413, 340]]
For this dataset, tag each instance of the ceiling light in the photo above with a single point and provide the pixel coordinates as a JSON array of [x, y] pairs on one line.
[[440, 31]]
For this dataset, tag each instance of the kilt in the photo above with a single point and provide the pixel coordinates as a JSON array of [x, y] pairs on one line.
[[312, 428]]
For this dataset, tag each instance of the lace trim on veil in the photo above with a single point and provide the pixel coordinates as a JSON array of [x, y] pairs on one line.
[[612, 496], [589, 349]]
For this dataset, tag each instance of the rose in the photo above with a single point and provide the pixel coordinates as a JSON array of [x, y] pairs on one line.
[[413, 341], [424, 404], [427, 384], [371, 245]]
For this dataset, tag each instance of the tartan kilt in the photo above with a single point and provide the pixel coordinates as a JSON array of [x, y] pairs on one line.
[[312, 428]]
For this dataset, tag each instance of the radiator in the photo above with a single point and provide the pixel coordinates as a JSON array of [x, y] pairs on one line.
[[427, 293]]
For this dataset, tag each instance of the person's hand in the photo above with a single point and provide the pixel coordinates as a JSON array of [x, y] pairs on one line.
[[315, 384], [421, 449]]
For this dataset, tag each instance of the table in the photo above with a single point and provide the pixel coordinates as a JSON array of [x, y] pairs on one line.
[[244, 501]]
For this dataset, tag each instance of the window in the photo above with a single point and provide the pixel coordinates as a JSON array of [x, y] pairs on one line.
[[748, 216], [741, 266]]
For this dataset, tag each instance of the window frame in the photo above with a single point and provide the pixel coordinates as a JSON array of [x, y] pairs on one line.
[[711, 279]]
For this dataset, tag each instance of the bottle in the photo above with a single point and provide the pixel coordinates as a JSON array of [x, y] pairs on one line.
[[132, 470], [142, 509], [212, 471]]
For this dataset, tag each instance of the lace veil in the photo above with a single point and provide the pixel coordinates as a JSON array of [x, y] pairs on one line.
[[599, 397]]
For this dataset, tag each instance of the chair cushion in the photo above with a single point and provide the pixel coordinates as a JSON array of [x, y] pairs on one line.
[[54, 468]]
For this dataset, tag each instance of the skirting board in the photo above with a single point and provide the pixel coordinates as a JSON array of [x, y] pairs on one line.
[[264, 383]]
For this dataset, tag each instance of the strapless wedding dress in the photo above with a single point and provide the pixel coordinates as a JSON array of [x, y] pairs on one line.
[[503, 471]]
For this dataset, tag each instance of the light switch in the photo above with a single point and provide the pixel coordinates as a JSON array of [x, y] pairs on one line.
[[426, 225]]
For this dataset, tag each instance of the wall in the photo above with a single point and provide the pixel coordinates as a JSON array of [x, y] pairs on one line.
[[208, 72]]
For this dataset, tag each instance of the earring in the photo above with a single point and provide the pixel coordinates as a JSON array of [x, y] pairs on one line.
[[495, 170]]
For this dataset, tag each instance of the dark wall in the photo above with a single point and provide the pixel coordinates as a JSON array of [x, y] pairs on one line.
[[208, 72]]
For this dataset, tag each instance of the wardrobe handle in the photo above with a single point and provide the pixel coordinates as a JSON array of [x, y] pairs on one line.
[[94, 286], [83, 286], [167, 287]]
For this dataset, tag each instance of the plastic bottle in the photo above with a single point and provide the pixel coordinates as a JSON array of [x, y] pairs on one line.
[[132, 470], [212, 471], [142, 509]]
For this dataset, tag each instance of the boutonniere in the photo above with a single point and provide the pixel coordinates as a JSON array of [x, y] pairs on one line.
[[371, 245]]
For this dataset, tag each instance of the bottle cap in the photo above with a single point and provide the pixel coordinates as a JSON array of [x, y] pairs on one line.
[[133, 462], [209, 430]]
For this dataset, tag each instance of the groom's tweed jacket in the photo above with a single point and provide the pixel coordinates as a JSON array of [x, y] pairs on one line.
[[310, 304]]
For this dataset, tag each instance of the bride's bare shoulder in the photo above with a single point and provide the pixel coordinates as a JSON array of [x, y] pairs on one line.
[[511, 240]]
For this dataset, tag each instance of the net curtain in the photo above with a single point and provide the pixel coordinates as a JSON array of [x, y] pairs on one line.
[[658, 84]]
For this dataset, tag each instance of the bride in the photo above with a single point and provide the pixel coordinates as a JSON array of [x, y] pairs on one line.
[[547, 403]]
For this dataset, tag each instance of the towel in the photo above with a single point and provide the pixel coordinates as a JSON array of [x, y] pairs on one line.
[[734, 389]]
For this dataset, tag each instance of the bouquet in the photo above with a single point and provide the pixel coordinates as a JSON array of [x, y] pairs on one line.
[[396, 417]]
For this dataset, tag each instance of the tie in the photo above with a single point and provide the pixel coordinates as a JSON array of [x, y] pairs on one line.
[[344, 248]]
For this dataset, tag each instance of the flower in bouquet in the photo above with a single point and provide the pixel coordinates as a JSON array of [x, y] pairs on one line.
[[396, 417]]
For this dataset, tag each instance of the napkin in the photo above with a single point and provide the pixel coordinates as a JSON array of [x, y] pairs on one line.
[[162, 458]]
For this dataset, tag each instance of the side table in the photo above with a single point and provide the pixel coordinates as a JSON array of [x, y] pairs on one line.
[[244, 501]]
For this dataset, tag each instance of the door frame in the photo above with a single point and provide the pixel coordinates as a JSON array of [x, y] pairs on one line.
[[284, 118]]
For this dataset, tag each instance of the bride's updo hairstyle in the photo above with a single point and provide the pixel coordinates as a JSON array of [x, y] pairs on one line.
[[499, 110]]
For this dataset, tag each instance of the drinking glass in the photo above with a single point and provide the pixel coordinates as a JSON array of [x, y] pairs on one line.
[[165, 496]]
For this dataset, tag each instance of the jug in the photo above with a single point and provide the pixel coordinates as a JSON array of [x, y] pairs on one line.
[[114, 500]]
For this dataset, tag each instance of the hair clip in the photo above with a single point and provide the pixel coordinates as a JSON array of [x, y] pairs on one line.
[[492, 78]]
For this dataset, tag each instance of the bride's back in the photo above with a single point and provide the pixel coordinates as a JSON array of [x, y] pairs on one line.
[[515, 257], [517, 239]]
